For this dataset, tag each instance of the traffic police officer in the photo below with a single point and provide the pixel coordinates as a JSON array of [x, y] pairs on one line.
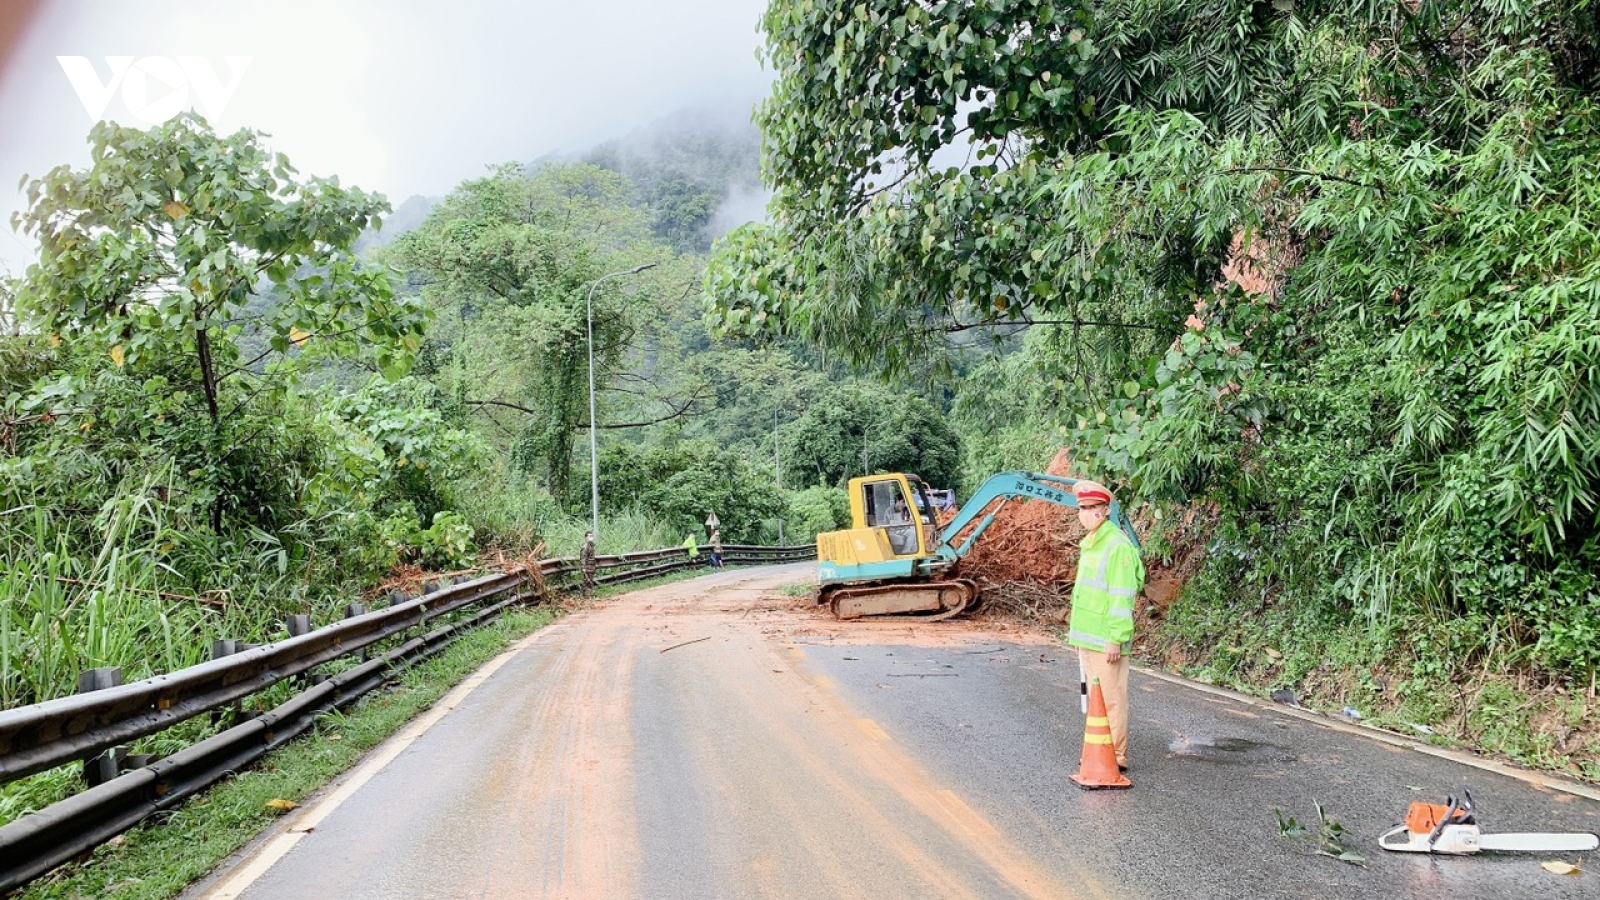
[[1110, 576]]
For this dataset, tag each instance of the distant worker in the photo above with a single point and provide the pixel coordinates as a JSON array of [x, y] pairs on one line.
[[716, 548], [586, 562], [690, 545], [1110, 576]]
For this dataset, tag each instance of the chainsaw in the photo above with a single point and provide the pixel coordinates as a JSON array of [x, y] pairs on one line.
[[1453, 829]]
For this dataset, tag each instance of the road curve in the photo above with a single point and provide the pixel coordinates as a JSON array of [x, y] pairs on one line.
[[712, 738]]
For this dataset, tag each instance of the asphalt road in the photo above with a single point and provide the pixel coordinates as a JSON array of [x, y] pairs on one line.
[[713, 739]]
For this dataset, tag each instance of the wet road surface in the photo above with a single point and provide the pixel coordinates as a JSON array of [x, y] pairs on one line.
[[713, 739]]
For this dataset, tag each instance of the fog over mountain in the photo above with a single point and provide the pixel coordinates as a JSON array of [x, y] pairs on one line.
[[709, 154], [697, 169]]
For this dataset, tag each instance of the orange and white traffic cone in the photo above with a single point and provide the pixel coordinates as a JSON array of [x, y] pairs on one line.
[[1097, 771]]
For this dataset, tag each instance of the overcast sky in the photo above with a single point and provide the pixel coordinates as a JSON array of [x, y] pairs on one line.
[[400, 96]]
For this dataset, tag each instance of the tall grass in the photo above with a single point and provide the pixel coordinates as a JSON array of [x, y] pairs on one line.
[[75, 596], [620, 532], [513, 511], [63, 611], [82, 592]]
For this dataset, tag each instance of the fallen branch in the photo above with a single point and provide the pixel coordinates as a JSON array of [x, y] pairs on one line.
[[686, 643]]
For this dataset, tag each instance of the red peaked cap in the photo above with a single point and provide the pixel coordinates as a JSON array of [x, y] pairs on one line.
[[1091, 492]]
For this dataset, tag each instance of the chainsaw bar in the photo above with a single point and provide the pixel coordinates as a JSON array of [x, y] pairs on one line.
[[1539, 843], [1453, 829], [1464, 840]]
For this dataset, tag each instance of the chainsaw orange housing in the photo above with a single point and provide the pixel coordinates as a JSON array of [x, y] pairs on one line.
[[1423, 818]]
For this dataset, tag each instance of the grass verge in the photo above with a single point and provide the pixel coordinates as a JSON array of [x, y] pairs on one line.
[[160, 858]]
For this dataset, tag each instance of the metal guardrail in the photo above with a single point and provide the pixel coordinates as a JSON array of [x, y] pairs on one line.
[[90, 725]]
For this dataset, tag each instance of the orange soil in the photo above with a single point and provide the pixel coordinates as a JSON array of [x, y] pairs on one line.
[[1030, 542]]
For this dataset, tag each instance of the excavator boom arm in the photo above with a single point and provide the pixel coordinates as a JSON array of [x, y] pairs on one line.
[[1007, 486]]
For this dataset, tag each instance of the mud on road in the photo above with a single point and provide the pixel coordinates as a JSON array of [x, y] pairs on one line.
[[720, 738]]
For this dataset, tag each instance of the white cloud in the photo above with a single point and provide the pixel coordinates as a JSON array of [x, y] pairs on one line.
[[402, 97]]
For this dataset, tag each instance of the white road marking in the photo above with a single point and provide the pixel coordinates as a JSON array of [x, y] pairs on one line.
[[1536, 779], [305, 820]]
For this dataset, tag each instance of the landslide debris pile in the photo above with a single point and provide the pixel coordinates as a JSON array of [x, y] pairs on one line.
[[1027, 560]]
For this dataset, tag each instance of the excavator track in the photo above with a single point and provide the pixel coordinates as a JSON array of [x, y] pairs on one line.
[[929, 601]]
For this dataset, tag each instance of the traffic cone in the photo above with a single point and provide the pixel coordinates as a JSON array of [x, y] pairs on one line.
[[1097, 771]]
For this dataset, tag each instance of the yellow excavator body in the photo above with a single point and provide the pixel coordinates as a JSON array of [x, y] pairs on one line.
[[881, 565], [855, 546]]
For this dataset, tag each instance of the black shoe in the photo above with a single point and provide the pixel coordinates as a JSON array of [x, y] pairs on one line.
[[1121, 767]]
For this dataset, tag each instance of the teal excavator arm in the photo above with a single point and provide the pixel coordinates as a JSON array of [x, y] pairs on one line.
[[1006, 487]]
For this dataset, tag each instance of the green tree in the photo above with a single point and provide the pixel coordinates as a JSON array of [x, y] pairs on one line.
[[754, 390], [684, 483], [1324, 264], [176, 247], [681, 210], [815, 510], [856, 429], [510, 261], [404, 450]]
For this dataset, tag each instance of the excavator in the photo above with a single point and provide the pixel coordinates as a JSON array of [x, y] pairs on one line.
[[897, 560]]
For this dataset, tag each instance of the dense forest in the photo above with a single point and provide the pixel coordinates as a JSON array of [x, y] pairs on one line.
[[1310, 284]]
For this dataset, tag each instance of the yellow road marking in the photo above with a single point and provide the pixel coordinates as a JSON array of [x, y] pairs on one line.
[[873, 730]]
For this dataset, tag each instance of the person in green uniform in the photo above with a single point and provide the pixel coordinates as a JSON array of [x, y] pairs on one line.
[[1110, 576]]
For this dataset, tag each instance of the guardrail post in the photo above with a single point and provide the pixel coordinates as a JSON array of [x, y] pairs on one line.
[[99, 769], [99, 679], [297, 625], [350, 612], [219, 649]]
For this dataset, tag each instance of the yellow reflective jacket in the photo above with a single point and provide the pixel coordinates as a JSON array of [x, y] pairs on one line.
[[1110, 576]]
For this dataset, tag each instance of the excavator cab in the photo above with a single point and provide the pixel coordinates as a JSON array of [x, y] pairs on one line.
[[890, 530], [899, 505]]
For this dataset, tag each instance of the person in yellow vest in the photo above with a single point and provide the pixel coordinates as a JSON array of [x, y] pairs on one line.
[[693, 546], [1110, 576]]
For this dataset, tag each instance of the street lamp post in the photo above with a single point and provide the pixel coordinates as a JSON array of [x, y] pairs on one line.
[[777, 465], [594, 456]]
